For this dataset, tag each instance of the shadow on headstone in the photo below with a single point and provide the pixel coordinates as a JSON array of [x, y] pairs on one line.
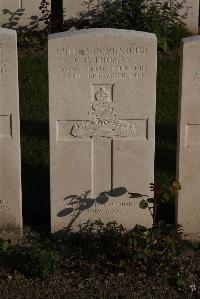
[[87, 18], [77, 204], [33, 23]]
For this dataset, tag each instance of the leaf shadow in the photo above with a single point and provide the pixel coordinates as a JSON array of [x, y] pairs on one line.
[[77, 204]]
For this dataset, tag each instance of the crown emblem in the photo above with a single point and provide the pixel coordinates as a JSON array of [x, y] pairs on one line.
[[102, 95], [104, 121]]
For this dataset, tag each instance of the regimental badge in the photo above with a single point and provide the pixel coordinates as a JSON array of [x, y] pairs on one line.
[[104, 121]]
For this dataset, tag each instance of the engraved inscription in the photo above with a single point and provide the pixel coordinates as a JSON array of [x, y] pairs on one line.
[[104, 121], [3, 205], [197, 76], [140, 50], [111, 208], [102, 63], [3, 66]]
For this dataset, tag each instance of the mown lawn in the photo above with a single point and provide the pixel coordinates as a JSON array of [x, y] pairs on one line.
[[33, 79]]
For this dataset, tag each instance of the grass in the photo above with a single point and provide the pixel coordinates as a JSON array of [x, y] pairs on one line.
[[166, 119], [33, 83], [33, 79]]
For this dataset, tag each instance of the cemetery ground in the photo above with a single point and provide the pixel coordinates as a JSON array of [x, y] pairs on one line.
[[85, 265]]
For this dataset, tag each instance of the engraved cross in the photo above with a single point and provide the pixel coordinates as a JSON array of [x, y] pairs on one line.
[[103, 129]]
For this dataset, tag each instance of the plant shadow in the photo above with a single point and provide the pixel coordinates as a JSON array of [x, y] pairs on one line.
[[77, 204], [13, 19]]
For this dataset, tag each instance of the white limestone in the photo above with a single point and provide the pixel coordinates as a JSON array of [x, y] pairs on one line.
[[102, 89], [74, 9], [191, 13], [188, 158], [10, 160], [23, 14]]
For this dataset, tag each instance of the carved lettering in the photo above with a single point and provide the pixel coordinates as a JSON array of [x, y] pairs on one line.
[[111, 207], [3, 66], [3, 205], [197, 76], [138, 50], [102, 63]]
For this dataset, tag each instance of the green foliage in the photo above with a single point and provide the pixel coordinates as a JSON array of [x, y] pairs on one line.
[[152, 248], [158, 17], [143, 204], [31, 40], [95, 237], [181, 283], [4, 246], [162, 195], [148, 248], [39, 262]]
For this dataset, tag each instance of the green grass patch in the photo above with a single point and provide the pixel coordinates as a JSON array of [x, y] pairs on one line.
[[33, 83], [166, 119]]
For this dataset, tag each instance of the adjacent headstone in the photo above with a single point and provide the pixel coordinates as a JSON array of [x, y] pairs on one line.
[[85, 8], [23, 14], [10, 161], [188, 159], [102, 85], [190, 11]]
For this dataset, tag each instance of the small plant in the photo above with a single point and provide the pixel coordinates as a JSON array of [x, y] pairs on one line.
[[4, 246], [39, 262], [181, 282], [28, 39], [152, 248], [162, 195], [146, 248]]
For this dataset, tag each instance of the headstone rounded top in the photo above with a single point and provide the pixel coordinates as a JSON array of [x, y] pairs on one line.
[[8, 31], [191, 39], [104, 31]]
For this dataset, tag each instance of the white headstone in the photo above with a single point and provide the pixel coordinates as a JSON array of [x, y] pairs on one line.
[[22, 14], [191, 13], [188, 160], [10, 160], [74, 9], [102, 85]]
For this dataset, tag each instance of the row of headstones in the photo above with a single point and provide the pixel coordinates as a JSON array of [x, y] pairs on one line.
[[16, 14], [102, 99]]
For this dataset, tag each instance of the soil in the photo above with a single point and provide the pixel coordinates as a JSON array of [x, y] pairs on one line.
[[81, 276]]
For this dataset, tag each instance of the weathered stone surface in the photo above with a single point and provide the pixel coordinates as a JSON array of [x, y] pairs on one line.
[[10, 160], [24, 14], [102, 85], [188, 158], [74, 9], [190, 11]]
